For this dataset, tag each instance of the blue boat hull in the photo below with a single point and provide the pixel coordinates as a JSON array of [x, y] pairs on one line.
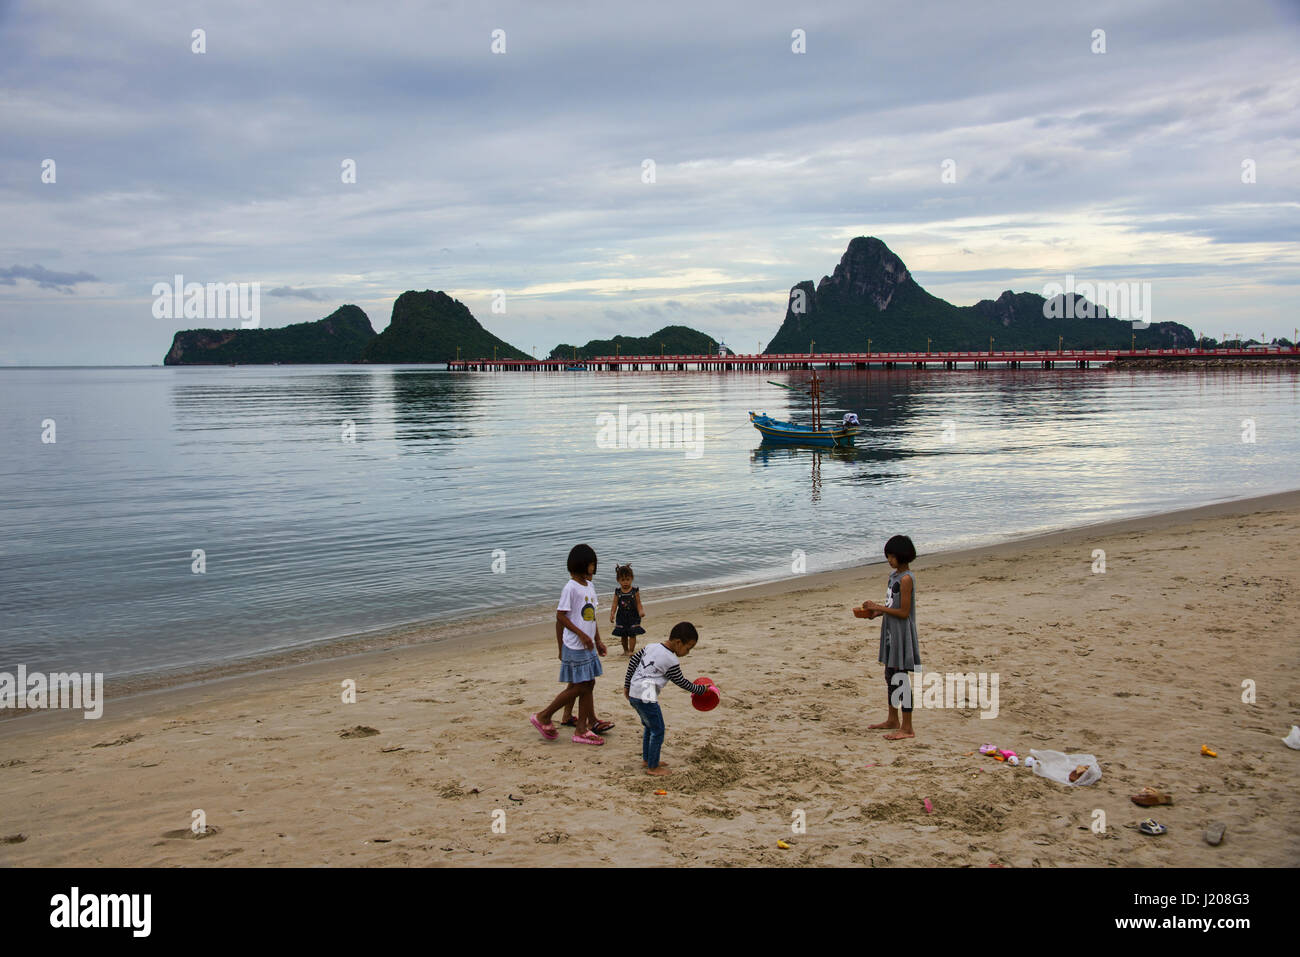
[[773, 430]]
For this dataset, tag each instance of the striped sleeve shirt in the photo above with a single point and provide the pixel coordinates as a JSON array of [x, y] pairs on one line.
[[656, 665]]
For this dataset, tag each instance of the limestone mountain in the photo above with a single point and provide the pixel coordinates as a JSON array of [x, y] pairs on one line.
[[871, 294], [341, 336], [429, 326]]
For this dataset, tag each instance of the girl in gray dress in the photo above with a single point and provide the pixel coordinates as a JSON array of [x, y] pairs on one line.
[[900, 650]]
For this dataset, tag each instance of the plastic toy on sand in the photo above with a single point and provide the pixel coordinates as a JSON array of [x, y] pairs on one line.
[[709, 698]]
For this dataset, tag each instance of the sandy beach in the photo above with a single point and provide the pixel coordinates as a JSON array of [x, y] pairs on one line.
[[1140, 665]]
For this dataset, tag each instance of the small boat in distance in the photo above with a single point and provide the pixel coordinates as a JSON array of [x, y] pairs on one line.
[[777, 431], [577, 368], [774, 430]]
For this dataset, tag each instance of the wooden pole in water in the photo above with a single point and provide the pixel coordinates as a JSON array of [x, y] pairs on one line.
[[816, 401]]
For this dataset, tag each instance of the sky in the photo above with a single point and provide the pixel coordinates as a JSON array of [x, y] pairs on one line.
[[992, 146]]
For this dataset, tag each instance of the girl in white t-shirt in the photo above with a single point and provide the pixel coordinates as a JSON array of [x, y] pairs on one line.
[[581, 651]]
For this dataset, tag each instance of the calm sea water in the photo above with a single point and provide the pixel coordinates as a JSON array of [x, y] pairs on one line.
[[307, 536]]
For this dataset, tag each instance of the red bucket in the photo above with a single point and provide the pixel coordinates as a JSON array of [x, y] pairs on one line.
[[709, 698]]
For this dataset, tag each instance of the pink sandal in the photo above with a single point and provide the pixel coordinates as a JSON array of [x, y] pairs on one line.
[[547, 730], [588, 738]]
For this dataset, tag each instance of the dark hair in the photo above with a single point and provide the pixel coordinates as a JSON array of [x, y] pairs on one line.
[[580, 558], [621, 570], [901, 547], [684, 631]]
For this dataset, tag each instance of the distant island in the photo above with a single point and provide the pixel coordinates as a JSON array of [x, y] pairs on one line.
[[426, 327], [429, 327], [342, 336], [670, 340], [870, 296]]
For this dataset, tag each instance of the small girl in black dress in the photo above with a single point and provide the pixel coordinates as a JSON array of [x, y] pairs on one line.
[[627, 608]]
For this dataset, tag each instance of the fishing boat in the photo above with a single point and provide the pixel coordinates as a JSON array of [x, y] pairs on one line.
[[774, 430], [577, 368]]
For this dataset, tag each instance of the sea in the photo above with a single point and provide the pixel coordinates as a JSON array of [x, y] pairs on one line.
[[160, 521]]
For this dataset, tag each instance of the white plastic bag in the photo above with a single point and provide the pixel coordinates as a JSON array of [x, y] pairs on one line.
[[1057, 767]]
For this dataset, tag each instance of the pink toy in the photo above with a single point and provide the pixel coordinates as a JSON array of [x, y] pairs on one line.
[[988, 748]]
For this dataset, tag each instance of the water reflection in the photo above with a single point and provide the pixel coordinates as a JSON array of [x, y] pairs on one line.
[[784, 454]]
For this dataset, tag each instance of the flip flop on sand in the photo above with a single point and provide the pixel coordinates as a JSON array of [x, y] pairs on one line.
[[1214, 833], [587, 738], [1150, 797], [547, 730], [1151, 827], [600, 727]]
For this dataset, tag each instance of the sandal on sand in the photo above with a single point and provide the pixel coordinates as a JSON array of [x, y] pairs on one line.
[[587, 738], [569, 723], [1151, 827], [1214, 833], [1150, 797], [547, 730], [600, 727]]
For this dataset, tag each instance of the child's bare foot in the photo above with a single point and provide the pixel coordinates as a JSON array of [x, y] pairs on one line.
[[898, 735], [658, 772], [884, 726]]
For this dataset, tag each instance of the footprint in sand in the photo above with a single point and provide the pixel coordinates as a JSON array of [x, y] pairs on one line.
[[360, 731]]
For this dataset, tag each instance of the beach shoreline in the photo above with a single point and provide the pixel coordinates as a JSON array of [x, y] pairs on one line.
[[537, 615], [1132, 664], [522, 623]]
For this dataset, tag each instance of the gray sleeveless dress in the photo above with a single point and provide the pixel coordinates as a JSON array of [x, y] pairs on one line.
[[899, 646]]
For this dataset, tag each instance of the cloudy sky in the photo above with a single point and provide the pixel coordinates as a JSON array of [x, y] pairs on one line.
[[522, 170]]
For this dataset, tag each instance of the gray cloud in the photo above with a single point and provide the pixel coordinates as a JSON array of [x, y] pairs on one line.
[[286, 292], [44, 278]]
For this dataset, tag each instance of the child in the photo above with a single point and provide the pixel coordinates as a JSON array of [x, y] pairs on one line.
[[627, 602], [580, 649], [647, 672], [569, 721], [900, 650]]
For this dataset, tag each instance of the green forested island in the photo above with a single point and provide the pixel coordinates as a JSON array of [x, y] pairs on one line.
[[425, 327], [342, 336], [670, 340], [871, 295], [429, 327]]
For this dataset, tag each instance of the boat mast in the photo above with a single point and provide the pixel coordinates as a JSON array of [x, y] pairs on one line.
[[816, 402]]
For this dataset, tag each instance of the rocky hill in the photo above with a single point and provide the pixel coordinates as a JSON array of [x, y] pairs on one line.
[[429, 326], [342, 336], [871, 294]]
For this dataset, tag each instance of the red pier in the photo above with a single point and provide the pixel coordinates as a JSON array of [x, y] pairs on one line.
[[1010, 359]]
